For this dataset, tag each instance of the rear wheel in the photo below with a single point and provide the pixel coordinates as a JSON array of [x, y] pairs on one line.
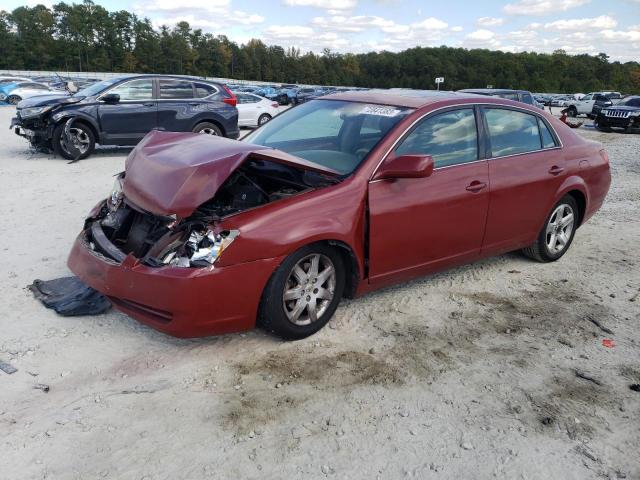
[[13, 99], [264, 118], [558, 232], [303, 293], [80, 137], [572, 112], [208, 128]]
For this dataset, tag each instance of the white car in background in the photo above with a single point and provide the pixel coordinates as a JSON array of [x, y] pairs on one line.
[[26, 90], [254, 110]]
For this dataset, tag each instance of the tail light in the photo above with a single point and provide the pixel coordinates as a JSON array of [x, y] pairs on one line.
[[275, 105], [232, 99]]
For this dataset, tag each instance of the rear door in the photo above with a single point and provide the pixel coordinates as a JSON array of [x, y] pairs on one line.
[[526, 169], [126, 122], [423, 224], [177, 105]]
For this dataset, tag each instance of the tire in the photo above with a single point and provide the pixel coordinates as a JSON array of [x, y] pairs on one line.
[[599, 127], [572, 112], [13, 99], [278, 314], [264, 118], [82, 132], [208, 128], [545, 249]]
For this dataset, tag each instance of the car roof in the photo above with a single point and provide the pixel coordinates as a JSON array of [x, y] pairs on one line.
[[492, 91], [398, 97], [156, 75]]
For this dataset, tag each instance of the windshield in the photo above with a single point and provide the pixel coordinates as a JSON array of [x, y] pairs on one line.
[[332, 133], [630, 102], [95, 88]]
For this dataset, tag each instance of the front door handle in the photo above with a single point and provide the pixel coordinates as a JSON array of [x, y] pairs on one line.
[[556, 170], [476, 186], [148, 104]]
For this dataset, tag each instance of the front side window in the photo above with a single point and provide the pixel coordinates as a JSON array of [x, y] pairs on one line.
[[134, 90], [450, 138], [329, 132], [526, 98], [511, 131], [586, 98], [175, 89], [509, 96]]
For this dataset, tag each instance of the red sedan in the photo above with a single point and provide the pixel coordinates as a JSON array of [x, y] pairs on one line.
[[336, 197]]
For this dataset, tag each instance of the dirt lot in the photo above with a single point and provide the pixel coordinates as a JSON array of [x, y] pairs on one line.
[[467, 374]]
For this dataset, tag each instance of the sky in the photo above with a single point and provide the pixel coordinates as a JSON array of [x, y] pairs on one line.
[[577, 26]]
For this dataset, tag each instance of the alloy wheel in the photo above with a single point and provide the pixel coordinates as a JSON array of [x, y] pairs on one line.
[[559, 228], [208, 131], [309, 289], [80, 140]]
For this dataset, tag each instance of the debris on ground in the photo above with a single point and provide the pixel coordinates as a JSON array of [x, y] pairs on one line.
[[587, 377], [599, 325], [69, 297], [607, 342], [635, 387], [7, 368], [41, 386]]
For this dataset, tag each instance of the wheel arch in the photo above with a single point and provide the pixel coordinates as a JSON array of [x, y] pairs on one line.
[[577, 188], [88, 121], [213, 120]]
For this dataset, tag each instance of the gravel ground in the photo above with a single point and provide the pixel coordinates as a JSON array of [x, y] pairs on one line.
[[471, 373]]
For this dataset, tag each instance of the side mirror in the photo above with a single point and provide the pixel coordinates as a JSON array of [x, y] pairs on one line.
[[110, 98], [406, 166]]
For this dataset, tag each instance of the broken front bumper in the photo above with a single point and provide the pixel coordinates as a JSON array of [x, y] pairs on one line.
[[35, 134], [183, 302]]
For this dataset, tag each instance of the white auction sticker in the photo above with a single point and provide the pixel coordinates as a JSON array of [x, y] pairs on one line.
[[380, 110]]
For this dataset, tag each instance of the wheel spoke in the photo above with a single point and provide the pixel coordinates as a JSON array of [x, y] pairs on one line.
[[324, 275], [300, 274], [301, 304], [552, 242], [566, 221], [315, 264], [311, 310], [292, 294], [324, 294]]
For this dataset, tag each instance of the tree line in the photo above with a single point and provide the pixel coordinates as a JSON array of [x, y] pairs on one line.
[[87, 37]]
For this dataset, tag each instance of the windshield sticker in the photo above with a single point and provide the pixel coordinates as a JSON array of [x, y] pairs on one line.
[[380, 110]]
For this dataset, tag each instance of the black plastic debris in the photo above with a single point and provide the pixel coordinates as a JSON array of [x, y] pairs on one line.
[[41, 386], [69, 297], [7, 368], [635, 387]]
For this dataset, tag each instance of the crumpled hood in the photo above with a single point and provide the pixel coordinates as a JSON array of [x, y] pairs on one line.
[[172, 173]]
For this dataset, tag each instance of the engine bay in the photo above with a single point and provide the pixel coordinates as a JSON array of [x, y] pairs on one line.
[[121, 228]]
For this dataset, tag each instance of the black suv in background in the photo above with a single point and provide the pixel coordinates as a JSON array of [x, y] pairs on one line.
[[624, 114], [122, 110], [523, 96]]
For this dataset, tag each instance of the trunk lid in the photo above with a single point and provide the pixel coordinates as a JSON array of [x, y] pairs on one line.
[[171, 173]]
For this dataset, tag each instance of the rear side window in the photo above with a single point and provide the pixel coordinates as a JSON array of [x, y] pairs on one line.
[[450, 138], [526, 98], [175, 89], [509, 96], [204, 90], [134, 90], [512, 132], [548, 141]]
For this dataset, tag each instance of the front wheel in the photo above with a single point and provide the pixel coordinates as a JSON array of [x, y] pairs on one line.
[[208, 128], [600, 127], [264, 118], [13, 99], [303, 293], [558, 232], [77, 144]]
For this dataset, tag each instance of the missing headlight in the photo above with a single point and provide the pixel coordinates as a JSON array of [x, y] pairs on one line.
[[202, 249]]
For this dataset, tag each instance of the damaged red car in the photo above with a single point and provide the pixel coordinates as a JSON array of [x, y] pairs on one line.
[[333, 198]]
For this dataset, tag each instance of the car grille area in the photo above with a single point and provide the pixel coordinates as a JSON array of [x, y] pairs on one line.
[[617, 114]]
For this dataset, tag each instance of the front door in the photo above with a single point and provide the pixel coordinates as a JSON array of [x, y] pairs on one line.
[[419, 225], [135, 115]]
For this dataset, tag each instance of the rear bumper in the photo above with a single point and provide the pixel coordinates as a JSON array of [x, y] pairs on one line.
[[182, 302]]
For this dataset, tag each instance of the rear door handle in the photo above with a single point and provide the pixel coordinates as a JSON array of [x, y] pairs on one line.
[[148, 104], [556, 170], [476, 186]]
